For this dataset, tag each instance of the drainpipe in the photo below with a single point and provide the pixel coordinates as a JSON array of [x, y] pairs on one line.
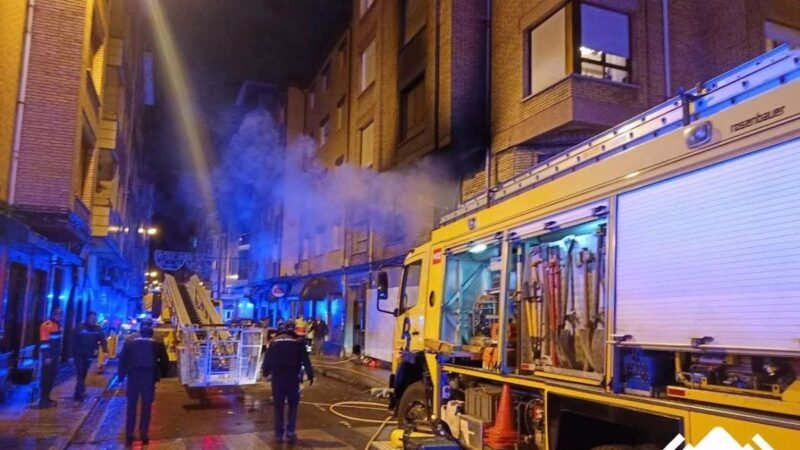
[[488, 106], [22, 94], [667, 69], [436, 76]]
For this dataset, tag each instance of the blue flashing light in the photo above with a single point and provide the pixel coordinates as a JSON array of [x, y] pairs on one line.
[[50, 296]]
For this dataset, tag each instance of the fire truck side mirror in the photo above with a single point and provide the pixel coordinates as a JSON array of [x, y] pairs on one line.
[[382, 288], [382, 284]]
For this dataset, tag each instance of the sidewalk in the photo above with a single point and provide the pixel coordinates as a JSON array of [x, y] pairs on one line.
[[352, 371], [24, 426]]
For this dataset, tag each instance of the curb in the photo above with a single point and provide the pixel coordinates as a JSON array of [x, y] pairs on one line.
[[64, 442], [345, 376]]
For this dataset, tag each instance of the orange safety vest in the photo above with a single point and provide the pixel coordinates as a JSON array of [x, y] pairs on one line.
[[46, 329]]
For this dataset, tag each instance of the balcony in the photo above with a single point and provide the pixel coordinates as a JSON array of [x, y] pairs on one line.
[[575, 101]]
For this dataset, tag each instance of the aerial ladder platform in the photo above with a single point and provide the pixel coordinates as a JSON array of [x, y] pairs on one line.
[[210, 353]]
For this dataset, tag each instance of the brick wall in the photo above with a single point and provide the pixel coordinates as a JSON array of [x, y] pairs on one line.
[[706, 38], [12, 28], [51, 132]]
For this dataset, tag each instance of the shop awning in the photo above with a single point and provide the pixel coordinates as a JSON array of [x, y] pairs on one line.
[[318, 288]]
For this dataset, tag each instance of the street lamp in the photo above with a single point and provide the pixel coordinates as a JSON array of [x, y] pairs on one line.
[[150, 231]]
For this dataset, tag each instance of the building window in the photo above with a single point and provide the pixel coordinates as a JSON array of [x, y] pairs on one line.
[[243, 271], [337, 237], [368, 145], [341, 54], [413, 18], [412, 108], [365, 6], [340, 114], [325, 78], [87, 148], [602, 50], [368, 66], [311, 99], [324, 131], [320, 243], [547, 53], [305, 250], [776, 35]]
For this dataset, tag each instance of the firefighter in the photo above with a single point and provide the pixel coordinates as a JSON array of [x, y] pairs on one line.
[[88, 339], [50, 341], [143, 362], [286, 357]]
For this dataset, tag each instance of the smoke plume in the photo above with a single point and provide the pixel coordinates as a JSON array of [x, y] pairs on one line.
[[256, 170]]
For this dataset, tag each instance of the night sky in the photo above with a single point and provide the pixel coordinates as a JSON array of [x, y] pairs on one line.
[[222, 44]]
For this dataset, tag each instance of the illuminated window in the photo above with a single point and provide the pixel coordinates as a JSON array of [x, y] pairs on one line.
[[602, 49], [368, 145], [368, 66]]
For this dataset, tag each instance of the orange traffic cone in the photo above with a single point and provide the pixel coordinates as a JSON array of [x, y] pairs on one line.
[[503, 435]]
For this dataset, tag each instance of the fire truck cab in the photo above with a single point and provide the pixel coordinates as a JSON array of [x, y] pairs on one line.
[[640, 290]]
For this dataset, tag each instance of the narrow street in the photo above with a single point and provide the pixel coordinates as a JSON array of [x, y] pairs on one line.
[[240, 419]]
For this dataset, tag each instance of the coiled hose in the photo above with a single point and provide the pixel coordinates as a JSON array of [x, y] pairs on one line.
[[358, 405]]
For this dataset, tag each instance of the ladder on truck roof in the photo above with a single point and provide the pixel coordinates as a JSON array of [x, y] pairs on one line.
[[761, 74]]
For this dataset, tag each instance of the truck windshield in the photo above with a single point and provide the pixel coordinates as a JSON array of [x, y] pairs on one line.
[[409, 292]]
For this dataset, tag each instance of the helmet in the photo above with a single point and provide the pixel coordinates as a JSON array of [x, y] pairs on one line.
[[288, 326]]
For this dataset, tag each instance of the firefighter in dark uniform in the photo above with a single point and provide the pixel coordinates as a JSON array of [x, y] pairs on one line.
[[50, 343], [143, 362], [88, 339], [286, 357]]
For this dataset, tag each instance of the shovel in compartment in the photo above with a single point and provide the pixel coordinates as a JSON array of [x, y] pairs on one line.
[[584, 333], [568, 316], [597, 321]]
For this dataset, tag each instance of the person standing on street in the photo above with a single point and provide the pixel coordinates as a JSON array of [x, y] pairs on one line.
[[300, 326], [88, 339], [143, 362], [50, 343], [321, 330], [286, 357]]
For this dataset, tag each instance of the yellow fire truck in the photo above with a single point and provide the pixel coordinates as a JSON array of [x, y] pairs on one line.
[[641, 290]]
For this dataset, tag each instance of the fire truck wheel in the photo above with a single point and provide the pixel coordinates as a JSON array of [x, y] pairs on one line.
[[413, 408]]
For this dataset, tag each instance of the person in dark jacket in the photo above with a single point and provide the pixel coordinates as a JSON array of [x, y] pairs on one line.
[[143, 362], [88, 339], [285, 358], [50, 344]]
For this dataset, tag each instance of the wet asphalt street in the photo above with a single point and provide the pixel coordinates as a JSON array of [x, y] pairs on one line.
[[241, 419]]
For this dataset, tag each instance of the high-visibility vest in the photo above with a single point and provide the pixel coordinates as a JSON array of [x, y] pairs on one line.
[[300, 327]]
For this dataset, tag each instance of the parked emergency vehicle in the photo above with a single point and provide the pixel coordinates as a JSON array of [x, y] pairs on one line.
[[639, 289]]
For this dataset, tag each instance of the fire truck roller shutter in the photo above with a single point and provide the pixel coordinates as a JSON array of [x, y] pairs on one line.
[[715, 252]]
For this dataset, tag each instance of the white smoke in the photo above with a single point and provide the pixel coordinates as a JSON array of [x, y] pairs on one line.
[[256, 170]]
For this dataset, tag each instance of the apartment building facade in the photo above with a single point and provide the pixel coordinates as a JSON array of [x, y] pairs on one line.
[[491, 88], [562, 71], [393, 90], [71, 143]]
